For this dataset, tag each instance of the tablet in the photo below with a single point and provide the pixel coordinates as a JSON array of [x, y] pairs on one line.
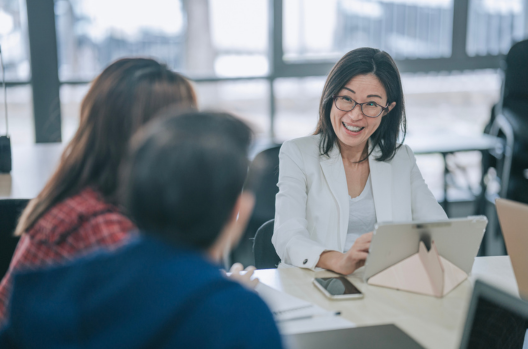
[[457, 240]]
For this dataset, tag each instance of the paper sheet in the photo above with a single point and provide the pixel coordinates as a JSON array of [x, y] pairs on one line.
[[294, 315]]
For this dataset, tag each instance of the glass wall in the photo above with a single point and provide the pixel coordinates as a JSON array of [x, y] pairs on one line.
[[71, 97], [494, 25], [217, 39], [15, 51], [406, 29], [93, 33], [20, 110], [14, 40], [297, 106], [197, 37], [248, 99]]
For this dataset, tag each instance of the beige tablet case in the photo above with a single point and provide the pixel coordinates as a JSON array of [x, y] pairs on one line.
[[425, 272], [513, 217]]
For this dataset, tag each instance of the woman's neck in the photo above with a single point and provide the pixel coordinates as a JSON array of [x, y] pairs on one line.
[[353, 155]]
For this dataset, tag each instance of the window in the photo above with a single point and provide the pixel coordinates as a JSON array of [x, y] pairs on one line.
[[225, 38], [15, 51], [93, 33], [494, 25], [246, 99], [406, 29], [14, 40]]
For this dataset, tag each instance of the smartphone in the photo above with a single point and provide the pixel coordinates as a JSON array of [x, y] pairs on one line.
[[337, 288]]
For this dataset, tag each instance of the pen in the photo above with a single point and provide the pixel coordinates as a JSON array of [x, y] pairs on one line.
[[308, 317]]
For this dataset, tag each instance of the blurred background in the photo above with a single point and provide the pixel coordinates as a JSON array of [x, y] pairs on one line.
[[266, 61]]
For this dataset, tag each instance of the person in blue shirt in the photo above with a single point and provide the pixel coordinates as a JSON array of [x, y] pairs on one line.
[[182, 184]]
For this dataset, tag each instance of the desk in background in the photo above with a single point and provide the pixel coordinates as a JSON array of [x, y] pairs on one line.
[[433, 322], [450, 143], [33, 165]]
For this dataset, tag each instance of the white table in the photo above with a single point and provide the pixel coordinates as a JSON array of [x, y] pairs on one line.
[[433, 322], [33, 165], [449, 143]]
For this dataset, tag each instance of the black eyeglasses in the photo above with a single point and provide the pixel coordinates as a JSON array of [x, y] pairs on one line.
[[370, 109]]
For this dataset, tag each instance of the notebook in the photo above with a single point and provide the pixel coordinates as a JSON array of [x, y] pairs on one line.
[[294, 315]]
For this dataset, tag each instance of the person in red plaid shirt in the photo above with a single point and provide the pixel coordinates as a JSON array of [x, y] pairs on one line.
[[76, 213]]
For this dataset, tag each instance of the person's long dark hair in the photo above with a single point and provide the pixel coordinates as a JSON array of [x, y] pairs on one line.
[[363, 61], [126, 95]]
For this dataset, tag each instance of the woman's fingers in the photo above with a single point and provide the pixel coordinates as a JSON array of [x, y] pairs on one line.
[[359, 255], [236, 268], [250, 270], [361, 246], [362, 243], [245, 278], [365, 237], [252, 283]]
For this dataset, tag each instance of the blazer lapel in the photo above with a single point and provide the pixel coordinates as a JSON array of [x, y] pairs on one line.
[[381, 177], [334, 173]]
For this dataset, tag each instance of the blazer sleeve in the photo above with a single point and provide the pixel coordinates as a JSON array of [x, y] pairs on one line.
[[424, 204], [291, 237]]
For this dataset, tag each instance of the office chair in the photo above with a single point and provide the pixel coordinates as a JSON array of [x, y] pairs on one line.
[[509, 120], [263, 249], [10, 211], [505, 169], [263, 176], [264, 170]]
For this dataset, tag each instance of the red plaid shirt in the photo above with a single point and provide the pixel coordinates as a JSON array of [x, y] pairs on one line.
[[72, 228]]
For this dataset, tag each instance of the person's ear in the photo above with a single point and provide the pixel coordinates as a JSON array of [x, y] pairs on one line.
[[390, 107], [235, 226], [241, 214]]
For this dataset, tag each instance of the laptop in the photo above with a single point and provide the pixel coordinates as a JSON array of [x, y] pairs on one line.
[[513, 217], [368, 337], [495, 320], [457, 240]]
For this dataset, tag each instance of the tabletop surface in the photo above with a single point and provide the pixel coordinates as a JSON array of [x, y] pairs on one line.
[[451, 143], [32, 166], [433, 322]]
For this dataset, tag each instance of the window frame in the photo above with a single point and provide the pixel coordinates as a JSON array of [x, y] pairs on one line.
[[42, 29]]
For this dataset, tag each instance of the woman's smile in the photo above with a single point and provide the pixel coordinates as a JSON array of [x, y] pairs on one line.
[[353, 130]]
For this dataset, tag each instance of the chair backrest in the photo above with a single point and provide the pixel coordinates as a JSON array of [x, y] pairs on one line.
[[263, 249], [10, 211], [516, 72], [263, 176], [265, 171]]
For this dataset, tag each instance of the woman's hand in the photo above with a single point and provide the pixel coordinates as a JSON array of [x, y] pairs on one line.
[[243, 276], [357, 255], [346, 263]]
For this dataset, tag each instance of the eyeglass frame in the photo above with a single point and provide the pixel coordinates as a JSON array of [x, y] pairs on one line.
[[334, 97]]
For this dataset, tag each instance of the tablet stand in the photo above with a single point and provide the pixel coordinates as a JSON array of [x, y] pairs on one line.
[[425, 272]]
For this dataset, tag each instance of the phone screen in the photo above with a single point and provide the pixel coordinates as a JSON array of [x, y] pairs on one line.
[[337, 286]]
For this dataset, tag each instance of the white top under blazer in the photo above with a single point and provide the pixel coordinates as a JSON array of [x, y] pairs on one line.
[[312, 206]]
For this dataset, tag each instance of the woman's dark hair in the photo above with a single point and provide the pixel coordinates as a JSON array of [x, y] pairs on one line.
[[364, 61], [184, 175], [126, 95]]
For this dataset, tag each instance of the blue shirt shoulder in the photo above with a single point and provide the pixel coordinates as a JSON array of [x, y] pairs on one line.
[[148, 294]]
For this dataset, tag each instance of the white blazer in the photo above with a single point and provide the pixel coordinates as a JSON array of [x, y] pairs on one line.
[[311, 208]]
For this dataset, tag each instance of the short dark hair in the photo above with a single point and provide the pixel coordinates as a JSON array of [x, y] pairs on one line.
[[184, 174], [364, 61]]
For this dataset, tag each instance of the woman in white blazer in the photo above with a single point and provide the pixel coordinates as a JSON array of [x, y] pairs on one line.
[[335, 185]]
